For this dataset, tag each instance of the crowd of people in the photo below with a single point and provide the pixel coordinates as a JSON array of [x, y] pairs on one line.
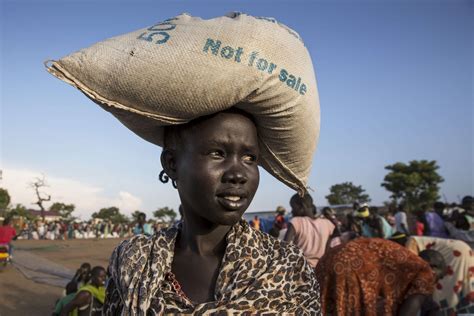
[[374, 264], [64, 230], [343, 248], [455, 221]]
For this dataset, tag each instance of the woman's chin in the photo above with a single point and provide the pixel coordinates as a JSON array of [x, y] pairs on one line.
[[228, 219]]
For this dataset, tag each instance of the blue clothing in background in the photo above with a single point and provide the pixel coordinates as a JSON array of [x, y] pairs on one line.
[[147, 230], [436, 226]]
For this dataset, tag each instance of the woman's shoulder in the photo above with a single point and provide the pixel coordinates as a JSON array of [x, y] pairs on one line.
[[138, 248]]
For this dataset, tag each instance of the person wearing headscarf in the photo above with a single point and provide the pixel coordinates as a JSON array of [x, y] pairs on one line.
[[373, 276], [373, 225]]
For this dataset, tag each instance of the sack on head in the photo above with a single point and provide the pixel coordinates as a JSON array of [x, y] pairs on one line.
[[186, 67]]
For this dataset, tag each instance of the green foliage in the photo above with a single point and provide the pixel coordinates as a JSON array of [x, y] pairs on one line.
[[165, 214], [64, 210], [4, 199], [347, 193], [415, 184], [20, 210], [111, 213]]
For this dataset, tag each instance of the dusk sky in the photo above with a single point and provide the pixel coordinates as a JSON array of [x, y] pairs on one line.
[[395, 80]]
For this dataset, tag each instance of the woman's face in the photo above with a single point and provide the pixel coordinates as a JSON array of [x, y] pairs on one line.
[[216, 168]]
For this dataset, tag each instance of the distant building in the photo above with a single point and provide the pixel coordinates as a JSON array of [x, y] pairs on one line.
[[49, 216]]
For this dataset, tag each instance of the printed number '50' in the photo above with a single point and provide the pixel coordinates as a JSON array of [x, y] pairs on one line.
[[158, 31], [149, 37]]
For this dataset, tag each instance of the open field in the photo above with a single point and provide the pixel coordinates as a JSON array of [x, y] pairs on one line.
[[21, 296]]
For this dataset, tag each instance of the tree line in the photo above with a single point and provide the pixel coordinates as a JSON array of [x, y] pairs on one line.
[[415, 185], [65, 211]]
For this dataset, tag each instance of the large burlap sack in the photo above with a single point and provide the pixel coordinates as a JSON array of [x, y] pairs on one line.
[[186, 67]]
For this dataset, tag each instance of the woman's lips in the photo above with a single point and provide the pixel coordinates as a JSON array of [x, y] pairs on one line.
[[232, 202]]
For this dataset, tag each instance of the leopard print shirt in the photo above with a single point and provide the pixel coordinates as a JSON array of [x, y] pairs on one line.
[[258, 275]]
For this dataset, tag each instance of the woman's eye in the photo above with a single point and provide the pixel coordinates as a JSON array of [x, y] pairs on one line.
[[217, 154], [250, 158]]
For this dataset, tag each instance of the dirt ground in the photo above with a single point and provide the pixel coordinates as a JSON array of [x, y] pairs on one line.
[[20, 296]]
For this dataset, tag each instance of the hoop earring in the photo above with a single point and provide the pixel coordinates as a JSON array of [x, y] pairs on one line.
[[164, 178]]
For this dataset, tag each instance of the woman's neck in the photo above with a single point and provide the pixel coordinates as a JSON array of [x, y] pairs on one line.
[[202, 237]]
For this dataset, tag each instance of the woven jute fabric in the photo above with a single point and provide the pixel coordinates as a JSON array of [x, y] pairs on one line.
[[186, 67]]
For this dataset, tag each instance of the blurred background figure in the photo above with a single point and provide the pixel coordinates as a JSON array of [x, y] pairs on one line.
[[279, 224], [90, 298], [401, 222], [308, 232], [82, 275], [7, 234], [142, 227], [71, 289], [255, 223], [373, 225], [373, 276]]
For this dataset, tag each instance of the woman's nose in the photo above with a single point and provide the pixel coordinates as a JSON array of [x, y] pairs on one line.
[[235, 173]]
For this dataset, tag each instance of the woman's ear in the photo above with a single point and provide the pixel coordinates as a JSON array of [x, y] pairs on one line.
[[168, 162]]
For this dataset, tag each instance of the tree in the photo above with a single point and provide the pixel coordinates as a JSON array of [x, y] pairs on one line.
[[4, 199], [20, 210], [37, 185], [165, 214], [415, 184], [111, 213], [64, 210], [347, 193]]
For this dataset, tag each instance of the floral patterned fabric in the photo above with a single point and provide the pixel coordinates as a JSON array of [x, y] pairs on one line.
[[371, 276], [455, 292], [257, 274]]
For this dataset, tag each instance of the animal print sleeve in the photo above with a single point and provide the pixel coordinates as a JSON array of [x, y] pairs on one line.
[[307, 290], [113, 304]]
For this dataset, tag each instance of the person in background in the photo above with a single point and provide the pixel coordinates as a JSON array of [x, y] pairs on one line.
[[437, 263], [373, 276], [330, 215], [420, 223], [280, 223], [434, 223], [459, 231], [352, 228], [41, 229], [255, 223], [7, 234], [468, 205], [82, 275], [355, 207], [280, 217], [309, 233], [374, 225], [71, 289], [390, 217], [401, 223], [90, 298], [142, 227], [454, 293]]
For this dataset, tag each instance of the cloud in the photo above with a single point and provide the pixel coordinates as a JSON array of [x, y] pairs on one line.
[[87, 198]]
